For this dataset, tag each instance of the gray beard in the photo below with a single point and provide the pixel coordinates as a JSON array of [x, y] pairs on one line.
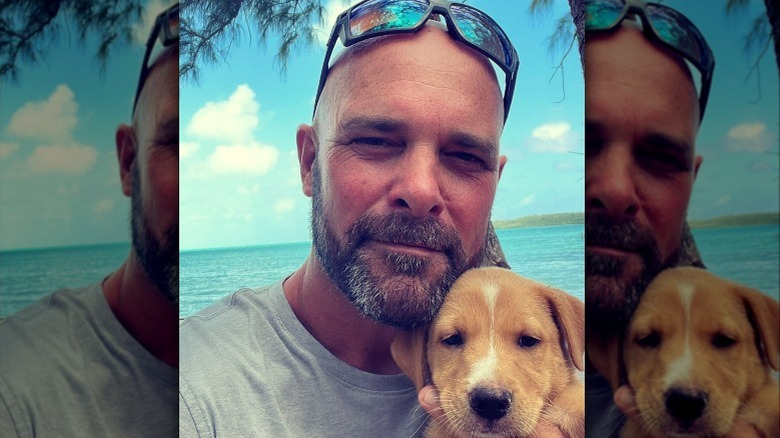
[[611, 296], [159, 259], [395, 289]]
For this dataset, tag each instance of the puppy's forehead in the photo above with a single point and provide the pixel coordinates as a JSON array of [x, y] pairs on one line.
[[498, 291], [691, 293]]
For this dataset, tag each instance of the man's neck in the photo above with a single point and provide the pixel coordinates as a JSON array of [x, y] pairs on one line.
[[335, 322], [143, 310]]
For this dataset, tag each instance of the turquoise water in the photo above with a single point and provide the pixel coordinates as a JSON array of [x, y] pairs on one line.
[[28, 275], [552, 255], [747, 255]]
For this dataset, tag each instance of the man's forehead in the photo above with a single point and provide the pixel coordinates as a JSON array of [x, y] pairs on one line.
[[426, 54], [627, 44]]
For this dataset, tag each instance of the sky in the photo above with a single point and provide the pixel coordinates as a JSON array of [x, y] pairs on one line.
[[738, 138], [59, 179], [240, 182]]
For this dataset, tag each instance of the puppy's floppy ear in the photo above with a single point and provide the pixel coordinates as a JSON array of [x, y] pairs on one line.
[[764, 314], [569, 315], [409, 349]]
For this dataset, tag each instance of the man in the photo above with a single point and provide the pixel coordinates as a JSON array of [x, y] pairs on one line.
[[642, 112], [101, 360], [402, 164]]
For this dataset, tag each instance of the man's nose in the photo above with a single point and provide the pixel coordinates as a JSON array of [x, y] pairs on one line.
[[417, 186], [610, 183]]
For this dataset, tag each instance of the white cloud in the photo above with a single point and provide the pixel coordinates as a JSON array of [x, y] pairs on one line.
[[564, 166], [248, 190], [552, 137], [256, 158], [74, 159], [143, 28], [284, 205], [52, 119], [332, 11], [104, 205], [723, 200], [231, 120], [187, 149], [527, 200], [747, 137], [747, 131], [7, 148]]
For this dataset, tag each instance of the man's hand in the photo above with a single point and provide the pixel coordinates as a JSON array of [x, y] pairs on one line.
[[429, 400], [624, 399]]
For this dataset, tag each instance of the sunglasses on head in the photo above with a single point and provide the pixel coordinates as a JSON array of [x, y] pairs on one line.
[[373, 18], [166, 27], [660, 23]]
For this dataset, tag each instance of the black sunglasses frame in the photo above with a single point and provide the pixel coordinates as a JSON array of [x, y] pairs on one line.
[[167, 37], [639, 8], [341, 30]]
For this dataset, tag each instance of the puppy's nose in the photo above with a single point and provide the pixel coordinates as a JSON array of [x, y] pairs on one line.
[[490, 403], [685, 404]]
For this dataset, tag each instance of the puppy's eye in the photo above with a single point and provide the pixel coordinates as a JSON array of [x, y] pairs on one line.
[[526, 341], [651, 340], [453, 341], [722, 342]]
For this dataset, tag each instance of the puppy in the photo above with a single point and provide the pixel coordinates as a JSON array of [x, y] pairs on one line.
[[502, 352], [698, 353]]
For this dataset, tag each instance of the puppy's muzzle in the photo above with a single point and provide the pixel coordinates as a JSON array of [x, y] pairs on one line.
[[490, 403], [685, 405]]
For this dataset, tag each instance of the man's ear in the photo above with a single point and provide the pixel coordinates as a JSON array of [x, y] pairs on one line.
[[306, 154], [126, 155], [696, 163], [501, 162]]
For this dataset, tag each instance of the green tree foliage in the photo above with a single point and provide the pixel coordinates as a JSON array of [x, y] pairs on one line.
[[28, 27], [210, 27]]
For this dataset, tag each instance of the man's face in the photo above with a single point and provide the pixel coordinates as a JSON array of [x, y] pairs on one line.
[[641, 121], [155, 175], [405, 172]]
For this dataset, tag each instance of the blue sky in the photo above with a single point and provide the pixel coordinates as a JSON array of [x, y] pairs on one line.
[[240, 182], [59, 181], [739, 136]]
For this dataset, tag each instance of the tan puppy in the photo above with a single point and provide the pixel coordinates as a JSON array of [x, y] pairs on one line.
[[698, 353], [502, 352]]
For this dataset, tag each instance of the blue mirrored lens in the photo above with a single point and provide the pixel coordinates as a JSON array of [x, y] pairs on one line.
[[603, 14], [481, 31], [677, 31], [379, 15]]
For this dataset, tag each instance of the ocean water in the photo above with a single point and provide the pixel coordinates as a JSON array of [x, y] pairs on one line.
[[747, 255], [28, 275], [551, 255]]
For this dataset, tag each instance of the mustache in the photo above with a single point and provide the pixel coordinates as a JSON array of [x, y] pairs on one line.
[[624, 233], [401, 228]]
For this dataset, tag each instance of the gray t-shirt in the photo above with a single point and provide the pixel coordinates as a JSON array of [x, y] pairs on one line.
[[250, 368], [68, 368], [602, 418]]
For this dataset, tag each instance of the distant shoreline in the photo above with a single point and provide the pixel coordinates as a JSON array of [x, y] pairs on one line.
[[546, 220]]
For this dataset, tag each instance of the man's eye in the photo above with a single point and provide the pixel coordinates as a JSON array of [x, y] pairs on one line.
[[370, 141], [467, 157], [662, 162], [467, 161]]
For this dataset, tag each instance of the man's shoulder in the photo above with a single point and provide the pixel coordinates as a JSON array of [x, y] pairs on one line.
[[216, 336], [46, 326], [233, 312]]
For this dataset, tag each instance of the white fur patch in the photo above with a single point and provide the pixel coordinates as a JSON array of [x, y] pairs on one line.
[[485, 368], [680, 369]]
